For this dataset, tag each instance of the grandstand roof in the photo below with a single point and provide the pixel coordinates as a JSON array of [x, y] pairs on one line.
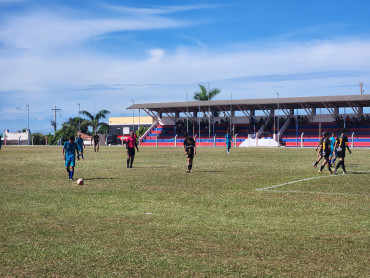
[[258, 104]]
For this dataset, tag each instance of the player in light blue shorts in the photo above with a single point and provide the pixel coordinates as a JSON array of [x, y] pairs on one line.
[[228, 141], [69, 155], [332, 144], [80, 146]]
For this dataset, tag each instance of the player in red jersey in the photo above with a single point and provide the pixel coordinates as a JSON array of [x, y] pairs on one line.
[[131, 143]]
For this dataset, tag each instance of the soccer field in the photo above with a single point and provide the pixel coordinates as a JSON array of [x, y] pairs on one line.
[[253, 213]]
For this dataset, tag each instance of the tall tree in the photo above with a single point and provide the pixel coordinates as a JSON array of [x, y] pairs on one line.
[[94, 120], [204, 94], [76, 123]]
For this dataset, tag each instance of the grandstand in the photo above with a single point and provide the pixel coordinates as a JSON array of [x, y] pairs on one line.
[[210, 120]]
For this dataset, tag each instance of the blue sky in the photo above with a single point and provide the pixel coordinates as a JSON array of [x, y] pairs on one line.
[[103, 54]]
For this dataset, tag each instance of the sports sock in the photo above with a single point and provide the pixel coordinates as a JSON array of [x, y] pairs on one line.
[[316, 163], [128, 162], [189, 167], [343, 167], [82, 156], [322, 167], [340, 163], [72, 172], [333, 160], [132, 160]]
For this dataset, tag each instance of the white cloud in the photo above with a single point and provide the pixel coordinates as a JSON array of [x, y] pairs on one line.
[[158, 10], [44, 31]]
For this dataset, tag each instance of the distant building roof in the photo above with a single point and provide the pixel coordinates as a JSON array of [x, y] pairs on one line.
[[85, 136]]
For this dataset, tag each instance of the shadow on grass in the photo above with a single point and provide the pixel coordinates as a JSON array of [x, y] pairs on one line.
[[360, 173], [210, 171], [91, 179]]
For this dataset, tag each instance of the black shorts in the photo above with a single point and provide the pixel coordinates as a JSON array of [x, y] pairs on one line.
[[131, 151], [96, 143], [190, 152], [341, 154], [325, 154]]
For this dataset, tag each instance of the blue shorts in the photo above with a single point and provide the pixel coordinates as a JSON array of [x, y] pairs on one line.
[[80, 148], [70, 161]]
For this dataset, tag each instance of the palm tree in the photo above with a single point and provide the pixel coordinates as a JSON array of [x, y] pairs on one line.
[[93, 120], [203, 94]]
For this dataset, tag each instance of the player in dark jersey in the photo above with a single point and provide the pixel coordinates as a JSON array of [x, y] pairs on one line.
[[319, 147], [96, 142], [325, 153], [190, 150], [341, 145], [69, 155]]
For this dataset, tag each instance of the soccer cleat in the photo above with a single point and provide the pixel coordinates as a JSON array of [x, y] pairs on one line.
[[314, 165], [345, 173], [188, 171], [335, 171], [320, 172]]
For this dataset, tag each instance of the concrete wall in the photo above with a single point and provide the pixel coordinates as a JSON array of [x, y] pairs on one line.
[[16, 138]]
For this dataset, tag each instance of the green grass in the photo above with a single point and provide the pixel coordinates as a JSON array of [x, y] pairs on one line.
[[155, 220]]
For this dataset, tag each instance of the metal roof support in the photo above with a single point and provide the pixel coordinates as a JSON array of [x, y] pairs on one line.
[[309, 110], [355, 108], [245, 112], [171, 116], [331, 109], [285, 109], [265, 110]]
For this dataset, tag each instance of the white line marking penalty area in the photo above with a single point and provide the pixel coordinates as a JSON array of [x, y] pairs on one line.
[[269, 188]]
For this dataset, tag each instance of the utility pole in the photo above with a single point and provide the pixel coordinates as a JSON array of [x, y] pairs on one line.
[[79, 119], [55, 117]]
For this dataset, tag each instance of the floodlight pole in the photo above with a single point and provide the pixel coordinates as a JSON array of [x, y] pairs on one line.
[[278, 126], [28, 111], [187, 117], [133, 117]]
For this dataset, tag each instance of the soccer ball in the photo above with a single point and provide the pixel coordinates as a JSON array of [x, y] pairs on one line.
[[80, 182]]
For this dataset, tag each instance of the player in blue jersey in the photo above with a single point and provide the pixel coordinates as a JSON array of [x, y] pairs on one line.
[[332, 156], [80, 146], [69, 155], [228, 141]]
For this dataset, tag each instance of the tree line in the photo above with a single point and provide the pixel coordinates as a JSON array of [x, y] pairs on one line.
[[73, 125]]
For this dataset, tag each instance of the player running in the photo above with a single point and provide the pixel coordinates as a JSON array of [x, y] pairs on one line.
[[325, 153], [131, 143], [190, 150], [228, 141], [80, 146], [69, 155], [96, 142], [340, 150], [319, 147]]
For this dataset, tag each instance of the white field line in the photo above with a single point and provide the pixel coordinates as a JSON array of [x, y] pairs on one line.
[[312, 192]]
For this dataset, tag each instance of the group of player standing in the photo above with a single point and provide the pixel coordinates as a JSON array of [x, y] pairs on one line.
[[74, 149], [331, 148]]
